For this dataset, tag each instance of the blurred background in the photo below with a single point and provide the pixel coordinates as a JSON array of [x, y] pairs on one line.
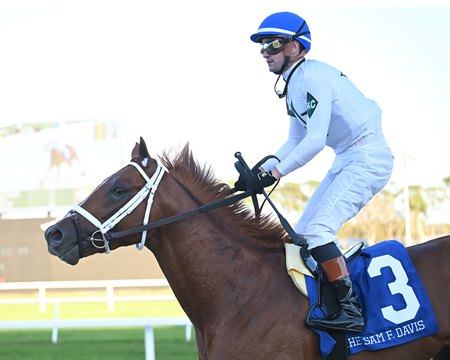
[[81, 81]]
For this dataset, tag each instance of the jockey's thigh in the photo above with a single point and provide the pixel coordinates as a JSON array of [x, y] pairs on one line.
[[356, 175]]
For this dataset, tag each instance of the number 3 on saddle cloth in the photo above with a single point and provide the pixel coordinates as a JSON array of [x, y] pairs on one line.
[[395, 305]]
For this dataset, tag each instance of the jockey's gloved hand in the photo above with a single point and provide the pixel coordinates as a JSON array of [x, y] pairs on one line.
[[256, 170], [239, 185], [258, 182]]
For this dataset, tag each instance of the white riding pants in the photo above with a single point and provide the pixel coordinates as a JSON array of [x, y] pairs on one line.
[[356, 175]]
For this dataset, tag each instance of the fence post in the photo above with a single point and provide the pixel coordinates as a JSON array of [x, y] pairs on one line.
[[149, 343], [55, 329], [110, 297], [188, 333]]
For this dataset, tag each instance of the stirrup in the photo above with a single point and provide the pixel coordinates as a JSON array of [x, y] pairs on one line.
[[318, 306], [326, 325]]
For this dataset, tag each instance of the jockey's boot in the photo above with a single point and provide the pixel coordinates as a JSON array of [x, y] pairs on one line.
[[349, 317]]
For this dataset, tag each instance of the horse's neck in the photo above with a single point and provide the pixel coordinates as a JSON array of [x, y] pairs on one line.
[[198, 262], [206, 263]]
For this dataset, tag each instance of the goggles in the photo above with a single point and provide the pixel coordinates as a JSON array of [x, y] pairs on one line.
[[273, 47]]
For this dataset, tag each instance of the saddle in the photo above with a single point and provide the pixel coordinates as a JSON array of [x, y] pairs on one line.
[[297, 268]]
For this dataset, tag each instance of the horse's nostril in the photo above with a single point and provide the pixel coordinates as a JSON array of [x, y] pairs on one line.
[[54, 235]]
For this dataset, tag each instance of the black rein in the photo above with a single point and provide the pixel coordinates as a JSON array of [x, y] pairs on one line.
[[171, 219]]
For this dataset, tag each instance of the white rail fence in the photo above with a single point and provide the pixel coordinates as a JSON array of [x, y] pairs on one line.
[[110, 298]]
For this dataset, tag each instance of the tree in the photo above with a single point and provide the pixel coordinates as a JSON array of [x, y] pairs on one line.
[[447, 181], [377, 221], [293, 197], [380, 219]]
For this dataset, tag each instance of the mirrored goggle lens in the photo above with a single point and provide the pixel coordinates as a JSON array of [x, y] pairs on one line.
[[273, 47]]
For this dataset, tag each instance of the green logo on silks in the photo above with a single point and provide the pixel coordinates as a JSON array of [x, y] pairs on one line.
[[312, 104]]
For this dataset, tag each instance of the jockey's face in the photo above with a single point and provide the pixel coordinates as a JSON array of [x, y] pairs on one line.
[[275, 59]]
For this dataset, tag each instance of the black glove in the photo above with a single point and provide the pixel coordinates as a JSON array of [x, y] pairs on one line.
[[258, 182], [239, 185]]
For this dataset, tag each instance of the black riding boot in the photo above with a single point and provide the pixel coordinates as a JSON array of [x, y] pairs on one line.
[[349, 317]]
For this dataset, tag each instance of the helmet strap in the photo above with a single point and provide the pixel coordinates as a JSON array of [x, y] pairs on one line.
[[299, 32], [284, 66], [284, 92]]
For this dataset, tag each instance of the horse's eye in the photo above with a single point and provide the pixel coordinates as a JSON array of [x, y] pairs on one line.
[[119, 191]]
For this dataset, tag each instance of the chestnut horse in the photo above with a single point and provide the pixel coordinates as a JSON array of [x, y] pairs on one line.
[[226, 267], [60, 155]]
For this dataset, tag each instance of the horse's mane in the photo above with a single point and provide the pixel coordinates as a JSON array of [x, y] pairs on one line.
[[201, 182]]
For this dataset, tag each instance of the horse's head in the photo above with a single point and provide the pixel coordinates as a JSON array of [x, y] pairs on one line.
[[121, 201]]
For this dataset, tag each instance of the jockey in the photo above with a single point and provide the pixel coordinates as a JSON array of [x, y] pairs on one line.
[[325, 109]]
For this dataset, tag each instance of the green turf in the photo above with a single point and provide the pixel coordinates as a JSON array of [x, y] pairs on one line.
[[95, 344]]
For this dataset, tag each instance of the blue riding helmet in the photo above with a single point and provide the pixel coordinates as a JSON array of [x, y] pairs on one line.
[[284, 24]]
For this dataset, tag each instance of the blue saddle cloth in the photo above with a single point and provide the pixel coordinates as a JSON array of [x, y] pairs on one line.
[[395, 305]]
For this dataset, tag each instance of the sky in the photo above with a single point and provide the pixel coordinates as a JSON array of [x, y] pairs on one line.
[[178, 71]]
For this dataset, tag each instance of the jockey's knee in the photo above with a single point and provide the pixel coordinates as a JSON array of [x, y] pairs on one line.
[[315, 239], [326, 252]]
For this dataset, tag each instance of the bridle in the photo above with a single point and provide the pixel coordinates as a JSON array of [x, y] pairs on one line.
[[103, 229]]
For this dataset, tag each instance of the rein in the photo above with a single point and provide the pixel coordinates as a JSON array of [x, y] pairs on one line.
[[171, 219]]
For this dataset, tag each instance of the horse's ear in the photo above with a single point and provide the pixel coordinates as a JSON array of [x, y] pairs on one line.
[[140, 152], [135, 152], [143, 152]]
